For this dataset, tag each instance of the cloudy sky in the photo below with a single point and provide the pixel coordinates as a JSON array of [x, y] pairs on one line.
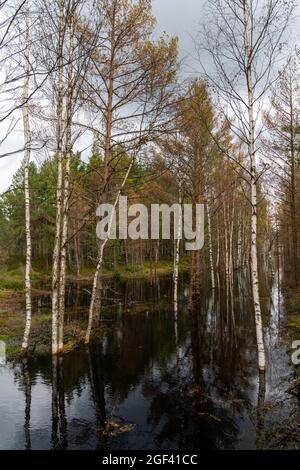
[[179, 18], [176, 17]]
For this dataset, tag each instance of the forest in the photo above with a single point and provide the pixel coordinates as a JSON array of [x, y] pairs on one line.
[[138, 342]]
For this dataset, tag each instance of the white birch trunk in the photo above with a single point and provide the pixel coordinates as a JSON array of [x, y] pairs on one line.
[[58, 222], [211, 256], [239, 248], [26, 163], [251, 145], [66, 191], [100, 258], [218, 247], [176, 263], [231, 263], [226, 254]]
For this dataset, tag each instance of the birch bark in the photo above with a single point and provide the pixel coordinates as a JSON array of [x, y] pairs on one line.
[[211, 255], [26, 163], [66, 187], [176, 261], [253, 185], [58, 222]]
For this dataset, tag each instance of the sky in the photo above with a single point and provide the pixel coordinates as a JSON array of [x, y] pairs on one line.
[[175, 17], [179, 18]]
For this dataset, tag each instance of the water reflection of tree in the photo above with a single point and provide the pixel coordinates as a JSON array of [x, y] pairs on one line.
[[27, 390], [260, 423], [205, 410], [59, 438], [199, 389], [134, 347], [181, 409], [96, 372]]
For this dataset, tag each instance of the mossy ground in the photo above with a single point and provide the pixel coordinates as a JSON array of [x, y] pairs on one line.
[[12, 312], [12, 326], [140, 271], [12, 281], [12, 316], [293, 307]]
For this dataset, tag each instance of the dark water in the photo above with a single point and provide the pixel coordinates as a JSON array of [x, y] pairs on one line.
[[151, 385]]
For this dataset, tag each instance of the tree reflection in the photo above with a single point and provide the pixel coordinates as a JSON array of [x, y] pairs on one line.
[[59, 438], [193, 390], [96, 375], [27, 389]]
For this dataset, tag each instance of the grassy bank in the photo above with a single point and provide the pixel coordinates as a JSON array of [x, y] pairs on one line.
[[12, 314], [293, 308], [12, 281], [12, 327], [141, 271], [293, 328]]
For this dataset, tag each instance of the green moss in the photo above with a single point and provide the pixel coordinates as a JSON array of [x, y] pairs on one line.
[[12, 327], [295, 323], [12, 281], [3, 293], [293, 309], [12, 350], [42, 318], [294, 326], [144, 270], [7, 283], [294, 304]]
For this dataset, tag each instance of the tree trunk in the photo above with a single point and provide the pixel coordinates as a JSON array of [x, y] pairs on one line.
[[100, 259], [253, 183], [66, 189], [109, 114], [211, 257], [176, 262], [58, 222], [26, 163]]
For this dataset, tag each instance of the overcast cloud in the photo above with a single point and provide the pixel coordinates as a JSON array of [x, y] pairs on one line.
[[175, 17]]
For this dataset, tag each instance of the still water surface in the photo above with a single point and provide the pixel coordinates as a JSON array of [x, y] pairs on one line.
[[151, 385]]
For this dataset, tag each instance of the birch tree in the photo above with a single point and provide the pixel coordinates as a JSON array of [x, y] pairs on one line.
[[59, 187], [129, 87], [244, 43], [26, 162], [177, 259], [11, 16], [101, 255], [66, 177], [65, 53], [130, 90]]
